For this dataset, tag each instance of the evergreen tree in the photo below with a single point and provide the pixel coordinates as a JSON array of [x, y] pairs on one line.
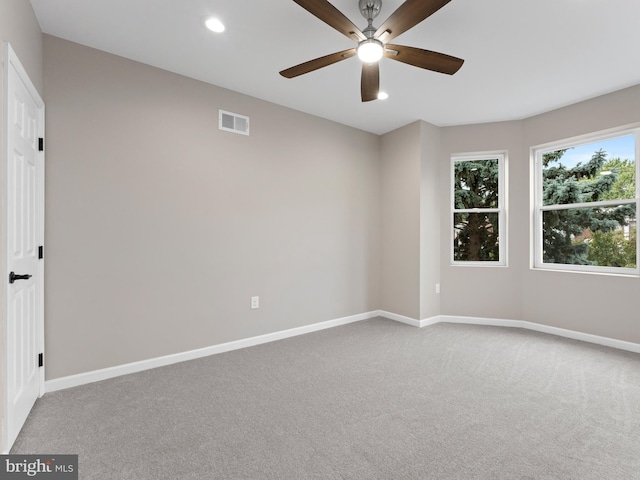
[[580, 184], [476, 186], [576, 236]]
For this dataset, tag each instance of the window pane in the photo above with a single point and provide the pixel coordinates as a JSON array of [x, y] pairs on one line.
[[604, 237], [476, 184], [475, 237], [603, 170]]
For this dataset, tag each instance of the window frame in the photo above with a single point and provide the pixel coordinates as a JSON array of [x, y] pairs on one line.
[[501, 210], [538, 209]]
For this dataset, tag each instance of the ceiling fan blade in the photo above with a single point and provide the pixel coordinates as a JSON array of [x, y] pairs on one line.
[[317, 63], [332, 17], [370, 82], [408, 15], [438, 62]]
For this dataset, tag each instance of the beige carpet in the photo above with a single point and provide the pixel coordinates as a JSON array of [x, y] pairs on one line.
[[370, 400]]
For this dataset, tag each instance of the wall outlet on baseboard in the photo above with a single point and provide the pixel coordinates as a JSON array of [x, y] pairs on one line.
[[437, 288], [255, 302]]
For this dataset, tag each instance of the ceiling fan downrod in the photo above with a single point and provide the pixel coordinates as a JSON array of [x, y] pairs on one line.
[[371, 49], [370, 9]]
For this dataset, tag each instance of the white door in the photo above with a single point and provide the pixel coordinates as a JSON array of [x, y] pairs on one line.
[[24, 176]]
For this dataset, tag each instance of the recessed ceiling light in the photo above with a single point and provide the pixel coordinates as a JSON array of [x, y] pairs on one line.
[[214, 24], [383, 95]]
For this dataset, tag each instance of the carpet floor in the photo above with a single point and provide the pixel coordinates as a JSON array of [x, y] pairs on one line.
[[371, 400]]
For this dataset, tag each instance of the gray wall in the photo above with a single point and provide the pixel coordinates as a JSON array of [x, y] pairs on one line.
[[401, 155], [19, 27], [430, 202], [491, 292], [596, 304], [160, 227], [411, 220]]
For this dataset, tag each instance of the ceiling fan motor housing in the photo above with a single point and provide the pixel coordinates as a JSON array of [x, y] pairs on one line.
[[370, 9]]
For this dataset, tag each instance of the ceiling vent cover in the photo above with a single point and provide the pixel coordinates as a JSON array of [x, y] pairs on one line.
[[232, 122]]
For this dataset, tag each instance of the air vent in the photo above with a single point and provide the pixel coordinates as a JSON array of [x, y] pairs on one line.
[[232, 122]]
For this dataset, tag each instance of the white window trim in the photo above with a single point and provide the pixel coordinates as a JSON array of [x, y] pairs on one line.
[[536, 153], [502, 157]]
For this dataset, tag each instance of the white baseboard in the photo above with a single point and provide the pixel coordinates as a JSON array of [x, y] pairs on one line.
[[399, 318], [106, 373], [561, 332], [427, 322], [500, 322]]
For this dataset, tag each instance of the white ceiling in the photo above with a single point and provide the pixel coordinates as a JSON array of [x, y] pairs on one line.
[[522, 57]]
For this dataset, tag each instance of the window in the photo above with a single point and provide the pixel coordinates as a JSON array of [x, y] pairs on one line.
[[586, 201], [478, 223]]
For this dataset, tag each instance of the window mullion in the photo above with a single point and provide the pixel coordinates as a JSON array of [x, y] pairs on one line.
[[601, 204], [477, 210]]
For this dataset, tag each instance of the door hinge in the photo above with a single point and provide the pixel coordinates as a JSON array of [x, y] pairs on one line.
[[41, 144], [40, 252], [40, 360]]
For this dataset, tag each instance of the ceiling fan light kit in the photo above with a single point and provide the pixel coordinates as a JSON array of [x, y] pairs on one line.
[[370, 51], [372, 42]]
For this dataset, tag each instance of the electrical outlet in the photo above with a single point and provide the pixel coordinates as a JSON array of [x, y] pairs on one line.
[[437, 288], [255, 302]]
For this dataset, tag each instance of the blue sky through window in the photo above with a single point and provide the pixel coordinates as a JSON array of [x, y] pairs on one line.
[[622, 147]]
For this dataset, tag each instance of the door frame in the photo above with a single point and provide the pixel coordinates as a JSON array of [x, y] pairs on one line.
[[11, 61]]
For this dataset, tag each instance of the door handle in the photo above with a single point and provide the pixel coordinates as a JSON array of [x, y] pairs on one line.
[[13, 277]]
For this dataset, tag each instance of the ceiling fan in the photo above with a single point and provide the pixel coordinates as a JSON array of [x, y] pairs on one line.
[[373, 43]]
